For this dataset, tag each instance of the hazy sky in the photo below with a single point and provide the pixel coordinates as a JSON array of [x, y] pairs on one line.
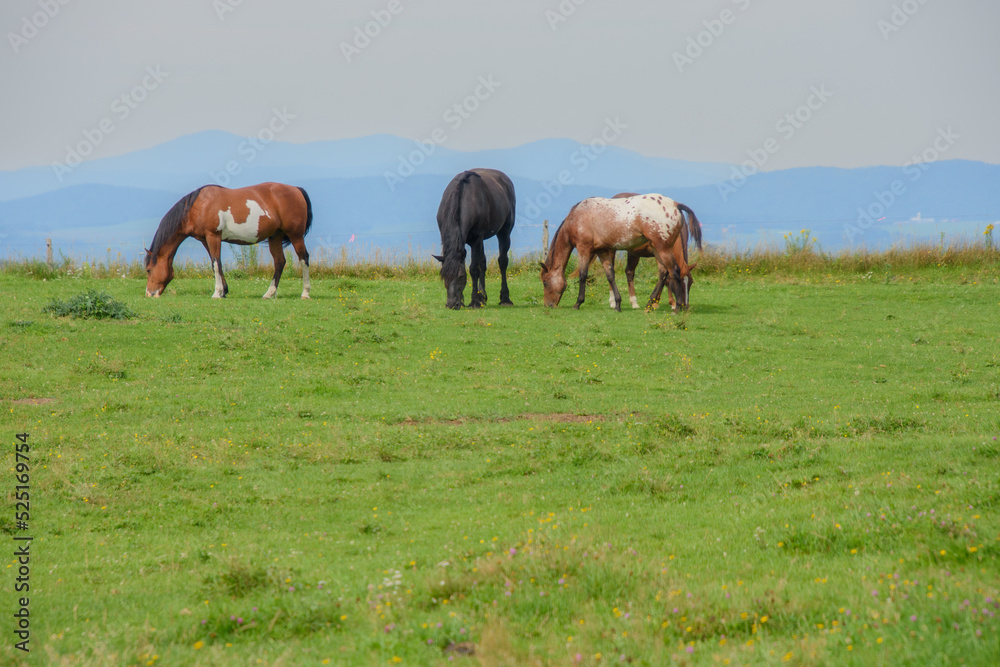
[[707, 80]]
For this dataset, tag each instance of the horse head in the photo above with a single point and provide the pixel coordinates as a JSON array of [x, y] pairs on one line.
[[159, 273], [454, 277], [554, 284], [680, 282]]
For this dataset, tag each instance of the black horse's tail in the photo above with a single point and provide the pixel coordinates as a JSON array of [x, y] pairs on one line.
[[450, 219], [695, 225], [309, 217], [171, 223]]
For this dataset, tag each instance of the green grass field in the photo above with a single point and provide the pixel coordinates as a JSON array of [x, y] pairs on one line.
[[803, 469]]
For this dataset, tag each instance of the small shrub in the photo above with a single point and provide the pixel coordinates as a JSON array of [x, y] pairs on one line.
[[801, 244], [90, 304]]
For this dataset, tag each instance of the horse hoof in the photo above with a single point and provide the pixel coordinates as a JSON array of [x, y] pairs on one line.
[[306, 296], [507, 303]]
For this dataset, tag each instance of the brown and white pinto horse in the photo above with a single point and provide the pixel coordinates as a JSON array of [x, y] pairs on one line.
[[281, 214], [680, 279], [601, 226]]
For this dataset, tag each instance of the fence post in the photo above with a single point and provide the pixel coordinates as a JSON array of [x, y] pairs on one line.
[[48, 252], [545, 237]]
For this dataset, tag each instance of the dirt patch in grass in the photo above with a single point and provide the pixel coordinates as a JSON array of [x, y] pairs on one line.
[[559, 417], [33, 401], [564, 418]]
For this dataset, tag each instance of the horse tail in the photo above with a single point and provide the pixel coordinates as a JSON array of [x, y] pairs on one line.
[[685, 233], [467, 209], [695, 225], [452, 238], [170, 224], [309, 217]]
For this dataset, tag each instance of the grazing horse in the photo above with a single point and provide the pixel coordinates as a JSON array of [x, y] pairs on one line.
[[680, 279], [602, 226], [281, 214], [477, 205]]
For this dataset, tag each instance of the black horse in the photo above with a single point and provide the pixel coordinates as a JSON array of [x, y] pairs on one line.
[[477, 205]]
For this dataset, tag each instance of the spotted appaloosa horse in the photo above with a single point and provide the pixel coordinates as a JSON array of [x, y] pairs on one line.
[[278, 213], [478, 204], [680, 273], [601, 226]]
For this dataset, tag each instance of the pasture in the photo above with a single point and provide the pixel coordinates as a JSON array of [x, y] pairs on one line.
[[803, 469]]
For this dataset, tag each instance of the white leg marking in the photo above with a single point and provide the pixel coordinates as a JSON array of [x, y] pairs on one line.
[[635, 301], [271, 290], [305, 280], [218, 280], [611, 299]]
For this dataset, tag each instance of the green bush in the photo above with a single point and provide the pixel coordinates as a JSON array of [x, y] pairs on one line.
[[90, 304]]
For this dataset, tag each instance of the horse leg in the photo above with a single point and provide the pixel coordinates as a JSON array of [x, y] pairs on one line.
[[477, 270], [214, 246], [300, 249], [584, 257], [633, 262], [225, 285], [278, 255], [654, 297], [608, 260], [611, 299], [504, 241]]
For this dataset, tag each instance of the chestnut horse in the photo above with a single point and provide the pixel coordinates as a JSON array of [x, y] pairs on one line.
[[281, 214], [477, 205], [680, 279], [602, 226]]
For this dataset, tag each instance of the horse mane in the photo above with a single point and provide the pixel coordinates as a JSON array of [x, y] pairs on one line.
[[695, 225], [452, 240], [171, 223], [309, 217], [555, 237]]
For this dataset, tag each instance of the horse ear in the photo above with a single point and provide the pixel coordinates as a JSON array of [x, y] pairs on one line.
[[545, 269], [691, 267], [438, 258]]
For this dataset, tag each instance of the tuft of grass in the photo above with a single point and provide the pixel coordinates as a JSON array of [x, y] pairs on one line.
[[90, 305]]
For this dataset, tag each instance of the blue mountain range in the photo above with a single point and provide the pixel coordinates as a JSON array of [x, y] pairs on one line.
[[383, 192]]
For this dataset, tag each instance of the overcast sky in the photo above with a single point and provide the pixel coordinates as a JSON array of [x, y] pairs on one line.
[[705, 80]]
